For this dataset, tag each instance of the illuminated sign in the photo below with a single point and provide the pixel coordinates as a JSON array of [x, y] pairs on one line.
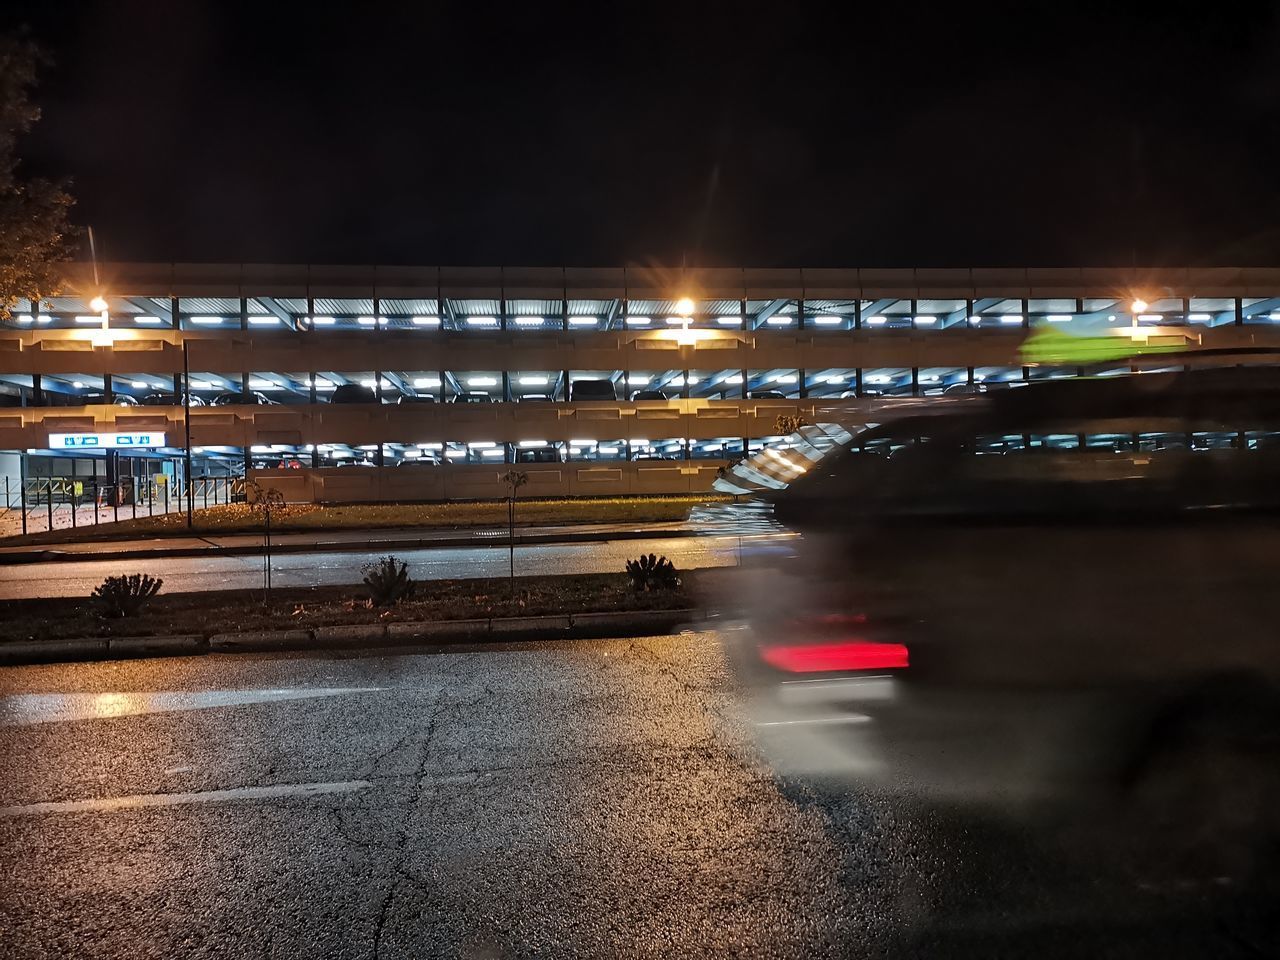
[[104, 441]]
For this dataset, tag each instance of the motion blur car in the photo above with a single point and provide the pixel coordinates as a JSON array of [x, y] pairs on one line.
[[649, 395], [1031, 596]]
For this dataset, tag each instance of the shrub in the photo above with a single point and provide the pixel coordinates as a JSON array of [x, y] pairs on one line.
[[388, 581], [652, 573], [125, 596]]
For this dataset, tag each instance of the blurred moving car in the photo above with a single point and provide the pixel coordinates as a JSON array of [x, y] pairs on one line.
[[649, 395], [1048, 594]]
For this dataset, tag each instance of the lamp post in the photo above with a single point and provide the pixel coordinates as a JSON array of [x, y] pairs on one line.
[[186, 423]]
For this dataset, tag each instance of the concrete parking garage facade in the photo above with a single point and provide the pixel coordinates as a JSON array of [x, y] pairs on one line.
[[473, 369]]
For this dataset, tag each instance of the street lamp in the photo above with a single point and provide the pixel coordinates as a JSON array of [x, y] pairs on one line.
[[684, 307], [99, 304], [1139, 306]]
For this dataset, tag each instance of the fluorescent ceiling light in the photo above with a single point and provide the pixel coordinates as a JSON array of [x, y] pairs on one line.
[[323, 321], [260, 321], [877, 320], [482, 321], [138, 384], [692, 379], [530, 321], [491, 453], [779, 321], [90, 318], [369, 383], [729, 321], [637, 378], [481, 444], [582, 321], [25, 318], [77, 384], [677, 321], [431, 446], [1150, 317], [482, 382], [1010, 318], [1203, 317], [583, 443], [264, 385], [532, 381], [258, 448], [879, 378], [785, 378], [827, 321], [206, 321], [735, 378], [147, 321], [411, 454], [1059, 318], [926, 320], [426, 321], [530, 444], [637, 321], [426, 382], [367, 321], [931, 378], [606, 449]]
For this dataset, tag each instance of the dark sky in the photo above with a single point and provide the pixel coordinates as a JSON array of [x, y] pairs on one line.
[[1056, 133]]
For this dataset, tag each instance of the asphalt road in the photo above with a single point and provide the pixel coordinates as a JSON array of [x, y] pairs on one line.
[[559, 799], [183, 574]]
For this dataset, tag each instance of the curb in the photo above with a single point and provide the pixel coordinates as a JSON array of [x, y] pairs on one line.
[[357, 636], [53, 555]]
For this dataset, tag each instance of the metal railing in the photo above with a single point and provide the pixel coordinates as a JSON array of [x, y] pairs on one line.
[[39, 504]]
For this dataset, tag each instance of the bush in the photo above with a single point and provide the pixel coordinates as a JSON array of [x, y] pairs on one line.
[[388, 581], [652, 573], [126, 596]]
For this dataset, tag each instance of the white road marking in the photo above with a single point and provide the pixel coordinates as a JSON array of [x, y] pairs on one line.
[[851, 718], [107, 804], [25, 709]]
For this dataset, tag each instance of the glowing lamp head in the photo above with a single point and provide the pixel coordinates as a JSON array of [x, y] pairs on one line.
[[1139, 306], [684, 307], [99, 304]]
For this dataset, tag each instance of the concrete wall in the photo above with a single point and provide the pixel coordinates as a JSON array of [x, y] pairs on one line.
[[420, 482]]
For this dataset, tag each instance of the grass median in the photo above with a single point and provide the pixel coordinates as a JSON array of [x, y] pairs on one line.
[[230, 611], [239, 518]]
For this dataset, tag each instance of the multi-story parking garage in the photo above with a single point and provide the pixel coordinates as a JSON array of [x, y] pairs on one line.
[[601, 381]]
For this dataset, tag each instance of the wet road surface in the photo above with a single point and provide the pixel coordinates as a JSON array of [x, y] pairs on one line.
[[558, 799], [187, 574]]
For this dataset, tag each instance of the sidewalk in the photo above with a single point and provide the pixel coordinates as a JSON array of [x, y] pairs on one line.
[[337, 541]]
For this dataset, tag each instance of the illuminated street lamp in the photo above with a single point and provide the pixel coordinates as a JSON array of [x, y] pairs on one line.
[[1139, 306], [99, 304], [684, 307]]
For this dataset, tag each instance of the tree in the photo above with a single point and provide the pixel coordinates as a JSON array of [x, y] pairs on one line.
[[35, 230], [514, 479]]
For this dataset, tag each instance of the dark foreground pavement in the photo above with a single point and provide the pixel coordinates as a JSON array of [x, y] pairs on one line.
[[556, 799]]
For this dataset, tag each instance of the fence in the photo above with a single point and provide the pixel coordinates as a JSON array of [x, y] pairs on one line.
[[39, 504]]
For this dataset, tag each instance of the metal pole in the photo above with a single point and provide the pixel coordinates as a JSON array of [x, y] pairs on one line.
[[22, 487], [48, 499], [186, 423], [75, 501], [133, 495]]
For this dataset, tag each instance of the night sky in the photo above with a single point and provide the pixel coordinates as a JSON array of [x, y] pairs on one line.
[[1025, 133]]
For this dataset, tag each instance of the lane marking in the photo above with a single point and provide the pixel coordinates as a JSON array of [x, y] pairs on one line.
[[851, 718], [26, 709], [108, 804]]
